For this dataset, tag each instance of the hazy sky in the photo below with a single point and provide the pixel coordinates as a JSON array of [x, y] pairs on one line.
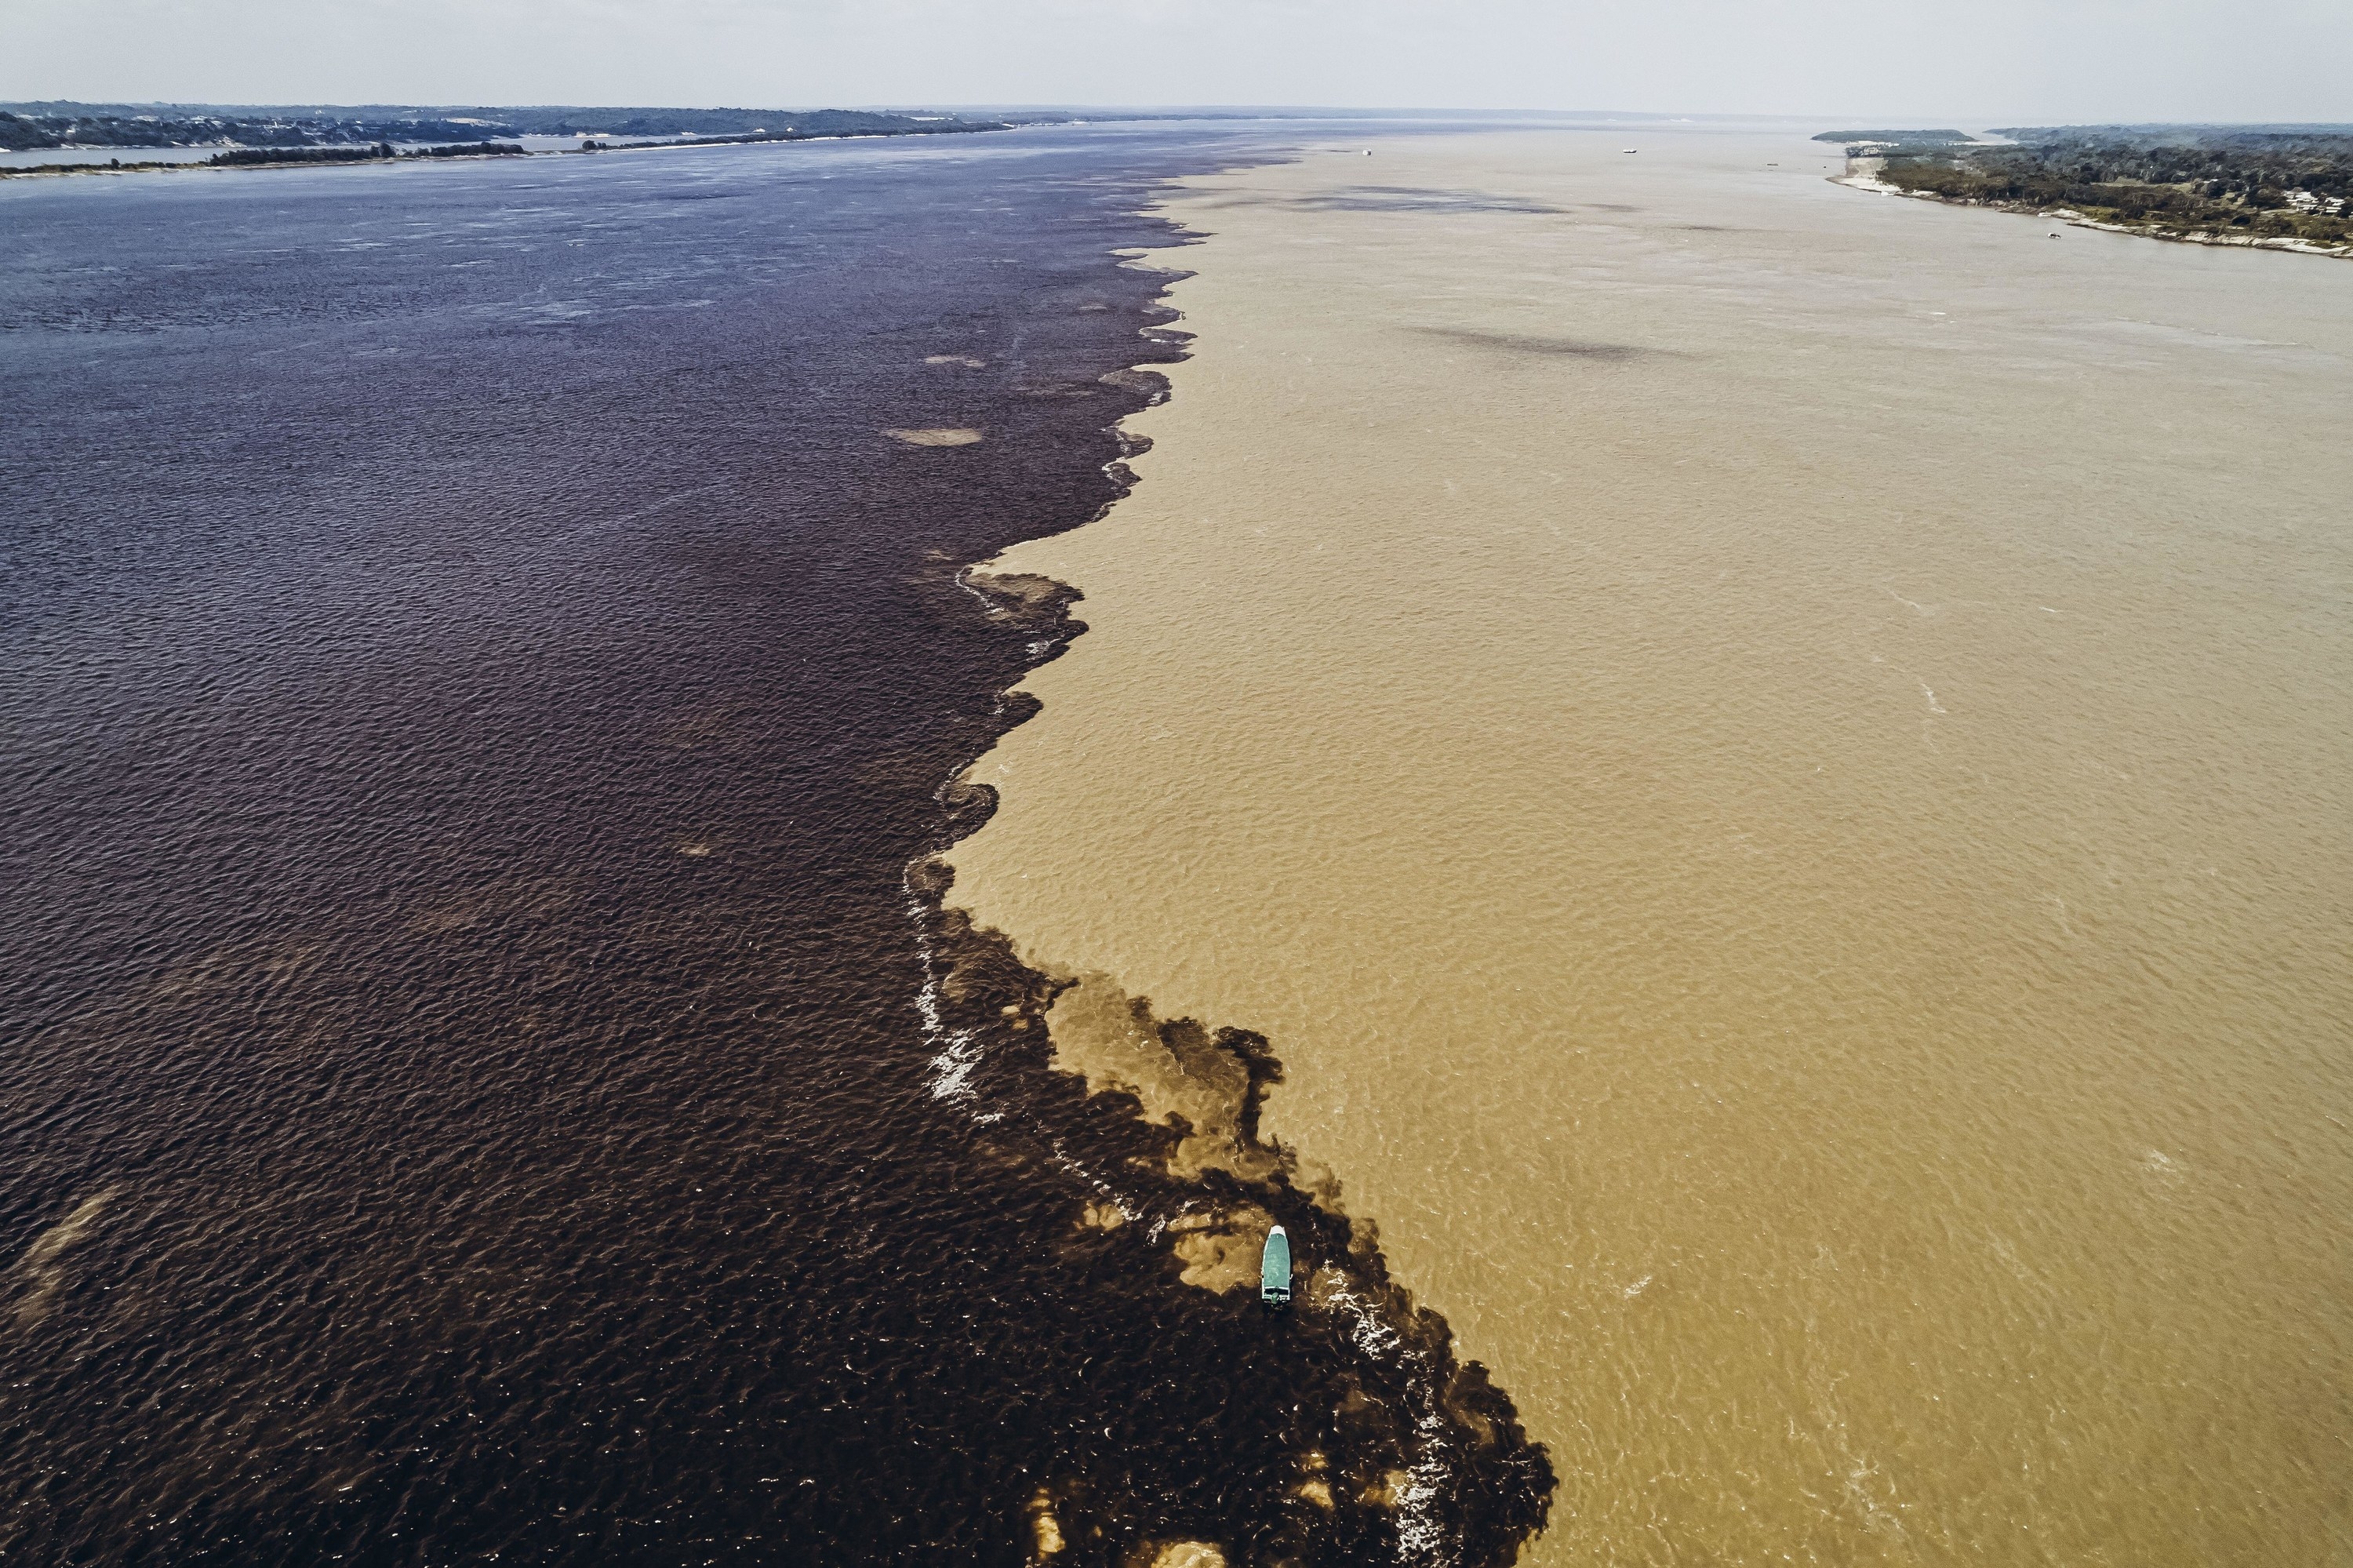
[[1989, 61]]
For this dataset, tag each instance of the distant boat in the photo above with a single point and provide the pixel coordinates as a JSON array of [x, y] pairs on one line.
[[1275, 1270]]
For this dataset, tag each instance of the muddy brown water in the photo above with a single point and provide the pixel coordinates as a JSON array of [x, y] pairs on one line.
[[1773, 763]]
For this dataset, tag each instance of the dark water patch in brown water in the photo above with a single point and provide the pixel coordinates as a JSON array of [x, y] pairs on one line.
[[476, 678], [1400, 198], [1541, 344]]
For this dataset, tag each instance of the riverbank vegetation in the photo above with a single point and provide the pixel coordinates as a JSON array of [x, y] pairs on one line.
[[27, 127], [275, 137], [1914, 138], [469, 150], [2181, 182], [256, 157], [85, 126], [280, 157]]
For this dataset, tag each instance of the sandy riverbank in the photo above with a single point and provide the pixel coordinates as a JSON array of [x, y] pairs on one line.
[[1773, 768]]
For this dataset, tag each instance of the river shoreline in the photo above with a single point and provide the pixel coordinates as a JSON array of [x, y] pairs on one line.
[[423, 155], [1868, 180]]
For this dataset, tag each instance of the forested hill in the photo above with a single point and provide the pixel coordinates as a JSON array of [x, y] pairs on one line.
[[67, 125]]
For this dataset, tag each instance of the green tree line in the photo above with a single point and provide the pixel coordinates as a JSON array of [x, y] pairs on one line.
[[2281, 185]]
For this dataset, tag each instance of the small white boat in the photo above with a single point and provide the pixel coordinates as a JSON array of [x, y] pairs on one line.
[[1275, 1270]]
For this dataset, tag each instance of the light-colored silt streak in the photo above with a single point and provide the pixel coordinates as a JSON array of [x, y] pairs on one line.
[[1775, 766]]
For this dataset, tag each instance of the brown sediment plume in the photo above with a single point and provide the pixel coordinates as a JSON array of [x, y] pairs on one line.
[[944, 436], [1045, 1529], [1400, 1451], [39, 1273], [1178, 1073], [1157, 1119], [1220, 1249], [1775, 783], [1178, 1554]]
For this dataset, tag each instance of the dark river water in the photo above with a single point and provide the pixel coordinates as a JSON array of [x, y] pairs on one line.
[[477, 674]]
